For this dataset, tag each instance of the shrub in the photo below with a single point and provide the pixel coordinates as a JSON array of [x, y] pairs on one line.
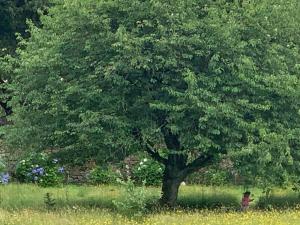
[[134, 200], [103, 175], [39, 168], [148, 171]]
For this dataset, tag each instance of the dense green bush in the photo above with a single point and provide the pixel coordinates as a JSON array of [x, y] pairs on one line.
[[148, 171], [39, 168], [103, 175]]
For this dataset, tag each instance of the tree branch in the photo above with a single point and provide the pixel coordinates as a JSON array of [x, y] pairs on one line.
[[200, 162], [154, 154], [148, 147]]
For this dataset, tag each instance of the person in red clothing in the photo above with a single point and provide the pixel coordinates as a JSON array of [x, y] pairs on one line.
[[246, 200]]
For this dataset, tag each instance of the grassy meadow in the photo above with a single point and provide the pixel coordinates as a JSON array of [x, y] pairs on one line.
[[87, 205]]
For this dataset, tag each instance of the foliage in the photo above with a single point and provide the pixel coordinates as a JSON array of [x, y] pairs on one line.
[[216, 177], [211, 176], [4, 176], [148, 172], [194, 80], [103, 175], [134, 200], [2, 165], [13, 16], [13, 24], [49, 201], [39, 168]]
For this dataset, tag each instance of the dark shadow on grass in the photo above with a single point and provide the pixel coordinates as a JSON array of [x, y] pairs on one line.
[[279, 202], [215, 201]]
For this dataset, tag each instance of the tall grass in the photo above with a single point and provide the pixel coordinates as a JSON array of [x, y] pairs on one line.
[[16, 196]]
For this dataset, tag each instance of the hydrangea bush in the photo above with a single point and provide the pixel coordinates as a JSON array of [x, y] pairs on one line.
[[40, 169]]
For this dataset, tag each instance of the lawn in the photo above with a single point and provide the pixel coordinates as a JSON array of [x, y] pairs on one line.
[[25, 204]]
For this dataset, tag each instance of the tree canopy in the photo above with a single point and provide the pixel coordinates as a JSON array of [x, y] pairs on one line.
[[189, 82], [13, 16]]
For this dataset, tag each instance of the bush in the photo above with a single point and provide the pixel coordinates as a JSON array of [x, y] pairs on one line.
[[102, 175], [39, 168], [148, 171], [134, 200]]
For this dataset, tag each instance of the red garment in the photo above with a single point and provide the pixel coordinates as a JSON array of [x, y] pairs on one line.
[[245, 201]]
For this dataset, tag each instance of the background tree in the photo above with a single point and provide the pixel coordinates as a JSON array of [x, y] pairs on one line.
[[13, 16], [190, 82]]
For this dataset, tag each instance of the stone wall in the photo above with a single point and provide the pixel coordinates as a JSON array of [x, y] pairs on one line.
[[8, 157]]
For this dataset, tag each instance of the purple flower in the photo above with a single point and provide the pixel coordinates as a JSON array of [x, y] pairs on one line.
[[40, 170], [4, 178], [61, 169]]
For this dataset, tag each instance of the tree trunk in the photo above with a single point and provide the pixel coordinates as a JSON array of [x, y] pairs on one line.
[[170, 192], [170, 187], [174, 166]]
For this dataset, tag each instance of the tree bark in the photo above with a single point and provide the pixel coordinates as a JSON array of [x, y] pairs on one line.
[[174, 165], [170, 187]]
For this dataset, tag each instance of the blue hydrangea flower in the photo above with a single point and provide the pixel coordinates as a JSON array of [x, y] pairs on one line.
[[4, 178], [61, 169], [40, 170]]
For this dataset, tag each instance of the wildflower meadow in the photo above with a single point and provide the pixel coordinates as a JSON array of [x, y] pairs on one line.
[[93, 205]]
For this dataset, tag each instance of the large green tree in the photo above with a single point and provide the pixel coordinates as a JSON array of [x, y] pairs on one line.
[[189, 82], [13, 16]]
